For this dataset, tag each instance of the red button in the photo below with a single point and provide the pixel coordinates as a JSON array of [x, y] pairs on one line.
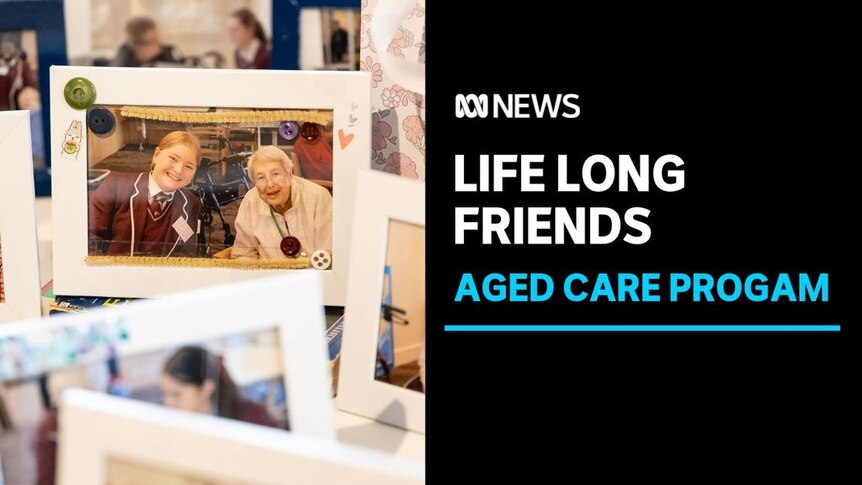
[[290, 246]]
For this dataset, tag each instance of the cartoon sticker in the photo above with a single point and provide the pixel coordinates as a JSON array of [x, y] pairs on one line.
[[72, 140]]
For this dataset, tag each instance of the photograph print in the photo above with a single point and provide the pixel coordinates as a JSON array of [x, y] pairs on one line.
[[226, 184]]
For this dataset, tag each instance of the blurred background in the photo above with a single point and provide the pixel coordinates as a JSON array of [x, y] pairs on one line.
[[202, 31], [229, 34]]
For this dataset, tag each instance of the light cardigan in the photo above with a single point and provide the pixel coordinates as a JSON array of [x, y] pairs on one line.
[[309, 219]]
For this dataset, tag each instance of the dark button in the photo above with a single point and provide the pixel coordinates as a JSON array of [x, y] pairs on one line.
[[290, 246], [310, 131], [80, 93], [288, 130], [100, 121]]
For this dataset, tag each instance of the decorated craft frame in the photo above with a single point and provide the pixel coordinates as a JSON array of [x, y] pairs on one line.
[[381, 199], [338, 98], [172, 447], [19, 258], [37, 347]]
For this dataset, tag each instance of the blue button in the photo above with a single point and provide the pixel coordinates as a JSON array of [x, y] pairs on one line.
[[100, 121]]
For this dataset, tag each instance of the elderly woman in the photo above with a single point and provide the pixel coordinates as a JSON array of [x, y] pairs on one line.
[[283, 215]]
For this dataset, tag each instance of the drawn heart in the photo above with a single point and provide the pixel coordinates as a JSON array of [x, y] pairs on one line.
[[351, 120], [345, 139]]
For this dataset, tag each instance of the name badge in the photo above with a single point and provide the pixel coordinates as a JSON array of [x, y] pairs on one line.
[[183, 229]]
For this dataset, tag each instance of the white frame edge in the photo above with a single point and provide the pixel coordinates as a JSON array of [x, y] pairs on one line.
[[338, 91], [97, 427], [380, 198], [18, 220], [227, 310]]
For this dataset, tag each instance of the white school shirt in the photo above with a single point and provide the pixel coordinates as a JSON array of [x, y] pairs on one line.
[[154, 189], [309, 219], [249, 52]]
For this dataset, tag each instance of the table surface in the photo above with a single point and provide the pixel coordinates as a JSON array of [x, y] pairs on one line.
[[362, 431], [352, 429]]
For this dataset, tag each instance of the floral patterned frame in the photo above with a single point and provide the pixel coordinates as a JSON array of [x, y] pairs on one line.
[[398, 115]]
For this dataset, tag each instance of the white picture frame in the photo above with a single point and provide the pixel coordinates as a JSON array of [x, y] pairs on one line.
[[97, 428], [20, 257], [381, 198], [191, 318], [345, 93]]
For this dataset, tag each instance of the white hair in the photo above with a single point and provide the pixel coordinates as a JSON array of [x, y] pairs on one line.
[[269, 153]]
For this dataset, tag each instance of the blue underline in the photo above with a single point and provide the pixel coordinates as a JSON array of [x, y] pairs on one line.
[[642, 328]]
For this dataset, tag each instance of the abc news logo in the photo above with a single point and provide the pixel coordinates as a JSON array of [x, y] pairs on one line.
[[516, 106]]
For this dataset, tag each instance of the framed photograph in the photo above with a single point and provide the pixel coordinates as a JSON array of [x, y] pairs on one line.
[[225, 351], [169, 179], [382, 369], [19, 258], [170, 447], [32, 38], [170, 33], [327, 34], [329, 38]]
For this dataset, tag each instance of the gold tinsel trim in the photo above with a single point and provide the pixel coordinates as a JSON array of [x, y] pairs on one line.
[[238, 116], [297, 263]]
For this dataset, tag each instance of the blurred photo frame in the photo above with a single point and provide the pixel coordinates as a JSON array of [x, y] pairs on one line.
[[36, 347], [329, 39], [286, 24], [171, 447], [19, 259], [44, 20], [381, 200], [195, 94]]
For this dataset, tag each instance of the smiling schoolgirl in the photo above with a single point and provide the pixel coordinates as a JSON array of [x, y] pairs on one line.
[[149, 214]]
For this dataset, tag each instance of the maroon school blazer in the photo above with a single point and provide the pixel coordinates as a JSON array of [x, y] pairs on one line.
[[120, 224], [262, 60], [252, 412]]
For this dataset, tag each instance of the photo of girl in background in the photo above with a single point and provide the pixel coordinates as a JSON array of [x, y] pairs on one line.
[[247, 35], [196, 380]]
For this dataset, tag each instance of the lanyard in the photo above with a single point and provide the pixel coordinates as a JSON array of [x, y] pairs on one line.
[[290, 245], [274, 221]]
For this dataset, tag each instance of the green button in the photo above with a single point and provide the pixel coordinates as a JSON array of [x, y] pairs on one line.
[[80, 93]]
